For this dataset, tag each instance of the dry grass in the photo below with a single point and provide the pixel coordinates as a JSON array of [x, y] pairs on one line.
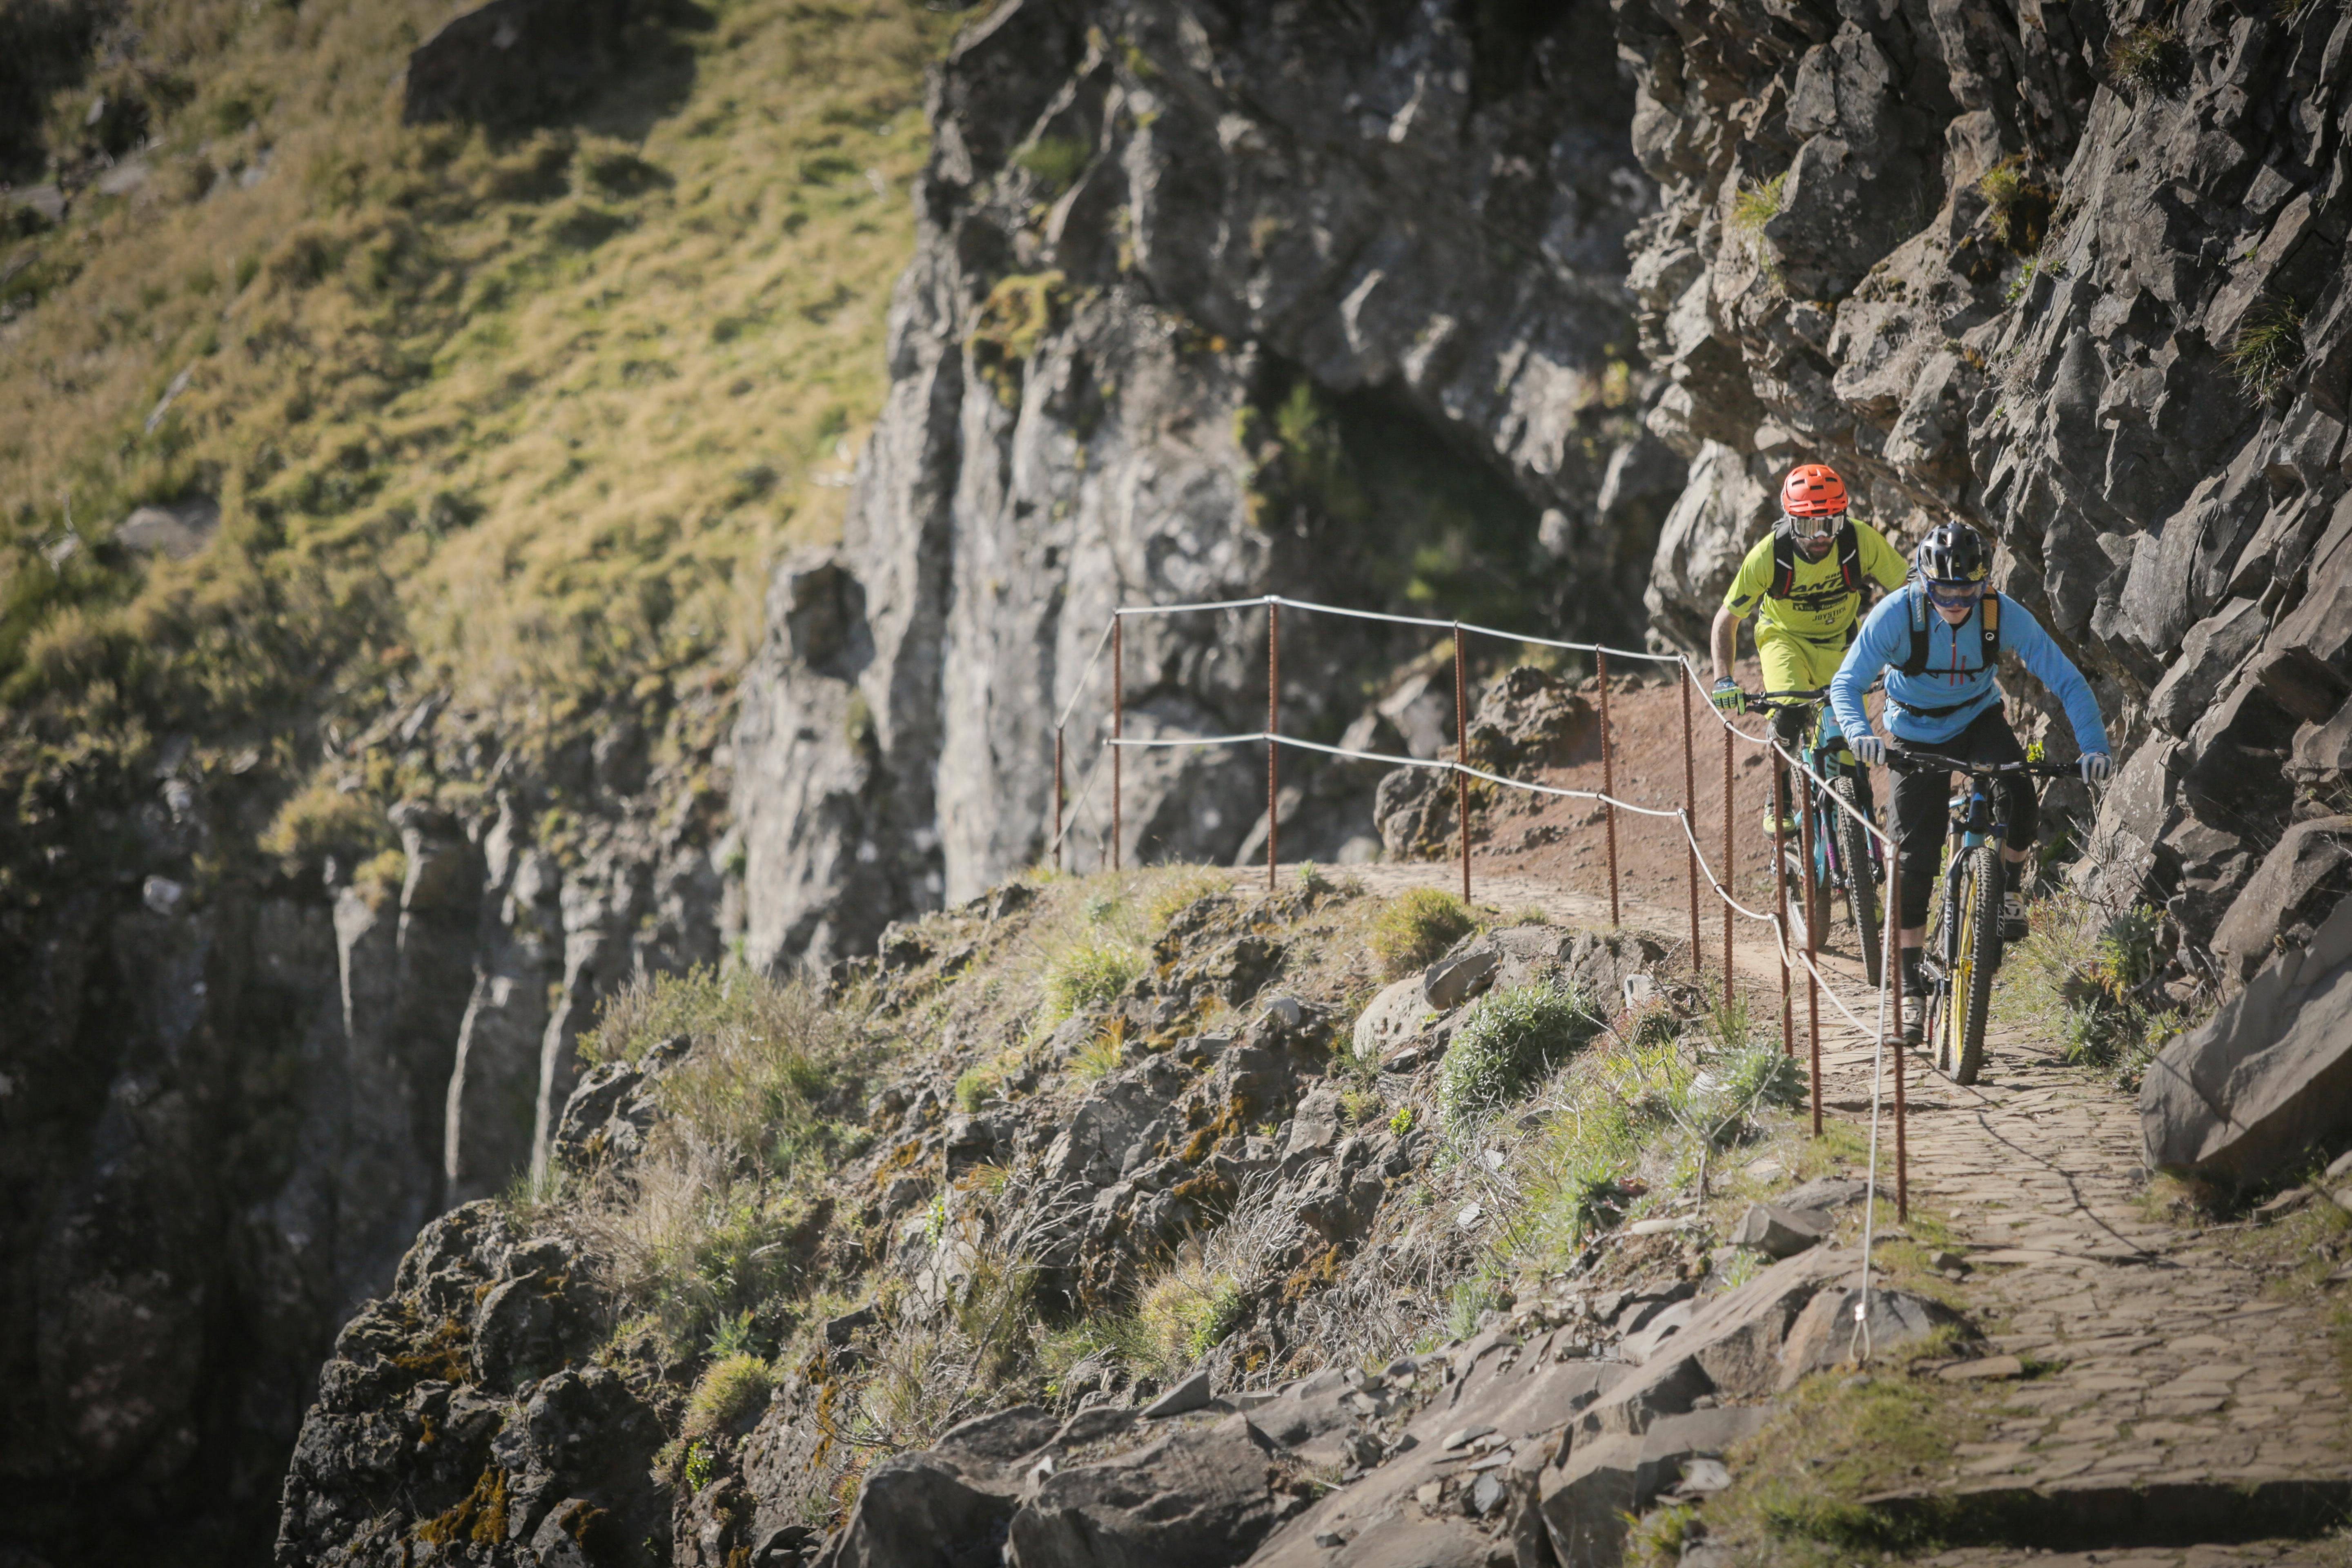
[[720, 1215], [523, 419]]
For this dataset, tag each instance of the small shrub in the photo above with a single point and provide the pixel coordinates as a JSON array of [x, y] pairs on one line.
[[378, 879], [1090, 973], [2267, 349], [2020, 207], [1510, 1039], [320, 819], [974, 1086], [1416, 928], [1361, 1104], [733, 1390], [2150, 56], [2085, 971]]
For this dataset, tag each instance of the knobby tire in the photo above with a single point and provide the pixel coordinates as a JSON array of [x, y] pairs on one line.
[[1861, 887], [1972, 898]]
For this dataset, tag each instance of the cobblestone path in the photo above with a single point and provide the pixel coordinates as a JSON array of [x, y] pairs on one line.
[[2161, 1373]]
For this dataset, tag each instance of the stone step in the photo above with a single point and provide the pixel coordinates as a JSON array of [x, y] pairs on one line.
[[2209, 1508]]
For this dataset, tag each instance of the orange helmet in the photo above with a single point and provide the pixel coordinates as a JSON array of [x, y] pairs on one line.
[[1813, 490]]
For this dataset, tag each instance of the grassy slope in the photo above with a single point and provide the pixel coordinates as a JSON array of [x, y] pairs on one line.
[[519, 418]]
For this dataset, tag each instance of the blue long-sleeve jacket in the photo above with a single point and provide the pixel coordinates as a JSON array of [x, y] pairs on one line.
[[1953, 678]]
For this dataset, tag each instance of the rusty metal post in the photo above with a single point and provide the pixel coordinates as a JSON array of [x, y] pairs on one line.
[[1608, 784], [1272, 728], [1812, 940], [1891, 974], [1731, 871], [1780, 904], [1462, 755], [1117, 726], [1690, 821], [1057, 798]]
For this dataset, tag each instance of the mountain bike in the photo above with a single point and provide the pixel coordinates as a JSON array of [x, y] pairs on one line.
[[1846, 858], [1964, 944]]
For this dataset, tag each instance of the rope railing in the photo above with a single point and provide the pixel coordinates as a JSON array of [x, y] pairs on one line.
[[1815, 787]]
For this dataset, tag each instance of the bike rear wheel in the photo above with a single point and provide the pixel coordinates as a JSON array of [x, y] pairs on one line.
[[1860, 886], [1973, 900]]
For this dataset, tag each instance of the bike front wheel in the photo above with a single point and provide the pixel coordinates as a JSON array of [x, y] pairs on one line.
[[1973, 902], [1861, 887]]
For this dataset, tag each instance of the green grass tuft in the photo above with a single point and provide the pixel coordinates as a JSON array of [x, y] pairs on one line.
[[1508, 1041], [1416, 928], [1090, 973], [2267, 349], [2151, 56], [1758, 203], [2019, 205], [734, 1389]]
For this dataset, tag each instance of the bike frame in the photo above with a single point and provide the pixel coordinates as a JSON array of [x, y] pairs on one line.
[[1828, 757]]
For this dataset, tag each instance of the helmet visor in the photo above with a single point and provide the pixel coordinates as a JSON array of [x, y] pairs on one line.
[[1954, 595]]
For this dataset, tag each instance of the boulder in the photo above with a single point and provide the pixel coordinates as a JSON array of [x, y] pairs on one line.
[[1458, 976], [1823, 1195], [2268, 1076], [513, 62], [1187, 1397], [1202, 1494], [913, 1511], [2298, 881], [1732, 1347], [2213, 647], [178, 530], [1425, 1506], [1394, 1016], [1822, 1337], [1605, 1480], [1781, 1232], [2322, 755]]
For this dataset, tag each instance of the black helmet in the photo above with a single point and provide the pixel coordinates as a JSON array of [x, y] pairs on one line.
[[1953, 552]]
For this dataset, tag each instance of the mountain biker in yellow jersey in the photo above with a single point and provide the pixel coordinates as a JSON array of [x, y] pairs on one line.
[[1941, 693], [1807, 576]]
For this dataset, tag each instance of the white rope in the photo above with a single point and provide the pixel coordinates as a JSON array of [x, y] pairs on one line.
[[1148, 744], [1440, 764], [1773, 920], [1086, 675], [1180, 609]]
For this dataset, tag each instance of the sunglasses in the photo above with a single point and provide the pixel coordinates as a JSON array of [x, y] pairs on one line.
[[1952, 596]]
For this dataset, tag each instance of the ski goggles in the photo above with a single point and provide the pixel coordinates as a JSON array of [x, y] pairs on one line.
[[1815, 533], [1954, 595]]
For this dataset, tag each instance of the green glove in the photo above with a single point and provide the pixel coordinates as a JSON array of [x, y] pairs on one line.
[[1729, 698]]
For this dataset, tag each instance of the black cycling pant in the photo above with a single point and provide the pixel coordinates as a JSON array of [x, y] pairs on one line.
[[1922, 806]]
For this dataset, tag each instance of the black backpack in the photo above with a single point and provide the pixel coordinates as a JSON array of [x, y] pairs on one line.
[[1988, 631], [1784, 560]]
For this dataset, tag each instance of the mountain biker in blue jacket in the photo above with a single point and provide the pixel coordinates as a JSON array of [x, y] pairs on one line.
[[1939, 638]]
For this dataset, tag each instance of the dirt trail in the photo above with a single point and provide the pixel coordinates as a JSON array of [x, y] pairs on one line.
[[2186, 1403]]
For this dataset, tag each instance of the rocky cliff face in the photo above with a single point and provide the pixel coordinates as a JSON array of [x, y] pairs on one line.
[[2073, 276], [228, 1114], [1209, 302]]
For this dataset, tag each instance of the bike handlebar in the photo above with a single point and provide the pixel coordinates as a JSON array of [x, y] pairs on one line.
[[1902, 759]]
